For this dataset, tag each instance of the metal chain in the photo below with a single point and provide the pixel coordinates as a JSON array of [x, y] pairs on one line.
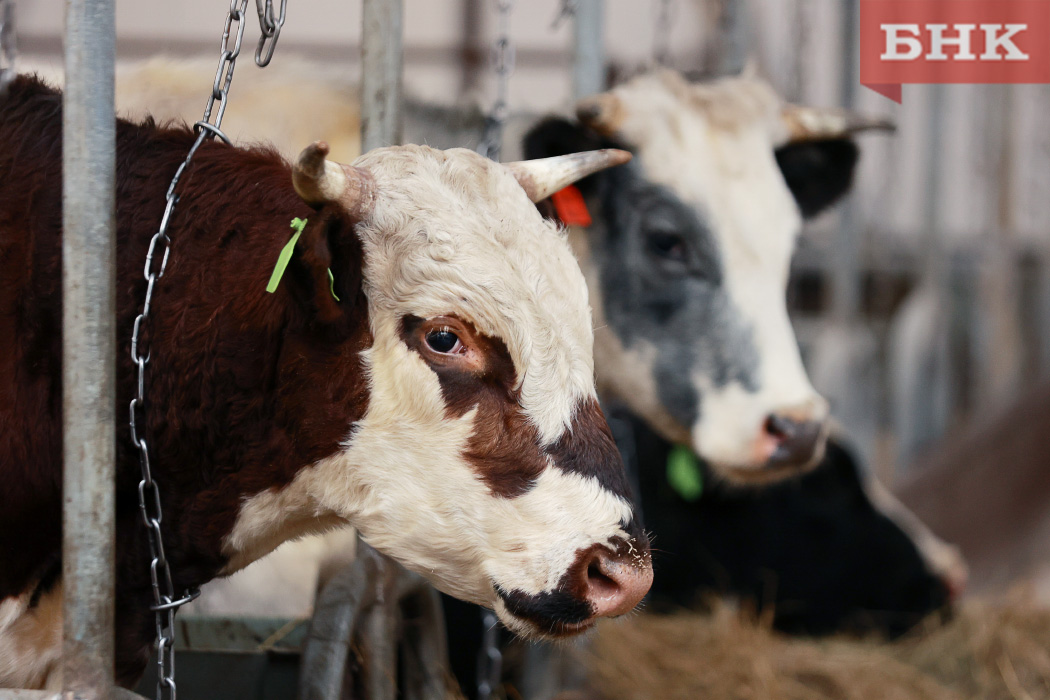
[[565, 11], [165, 602], [270, 27], [662, 33], [8, 46], [490, 658], [503, 65]]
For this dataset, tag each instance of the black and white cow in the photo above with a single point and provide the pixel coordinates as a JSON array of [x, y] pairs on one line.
[[687, 260]]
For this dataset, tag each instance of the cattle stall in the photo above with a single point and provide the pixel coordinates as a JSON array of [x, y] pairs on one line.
[[921, 310]]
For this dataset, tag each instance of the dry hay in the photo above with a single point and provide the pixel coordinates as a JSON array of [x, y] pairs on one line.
[[987, 652]]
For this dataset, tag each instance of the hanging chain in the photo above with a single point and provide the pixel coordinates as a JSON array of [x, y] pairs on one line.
[[662, 33], [165, 602], [565, 11], [270, 27], [503, 65], [490, 658], [7, 44]]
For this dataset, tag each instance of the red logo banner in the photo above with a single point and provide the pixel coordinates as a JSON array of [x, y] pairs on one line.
[[953, 41]]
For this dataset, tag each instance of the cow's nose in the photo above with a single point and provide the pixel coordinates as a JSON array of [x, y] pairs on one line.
[[615, 582], [796, 443]]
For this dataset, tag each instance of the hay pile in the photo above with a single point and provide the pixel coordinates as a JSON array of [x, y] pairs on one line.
[[987, 652]]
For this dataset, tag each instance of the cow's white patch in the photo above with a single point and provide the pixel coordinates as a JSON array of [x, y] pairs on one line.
[[31, 642], [454, 234], [713, 145]]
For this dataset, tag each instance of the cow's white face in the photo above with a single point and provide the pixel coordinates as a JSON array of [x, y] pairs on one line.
[[483, 461], [689, 261]]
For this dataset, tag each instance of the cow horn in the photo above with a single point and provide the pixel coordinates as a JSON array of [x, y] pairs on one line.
[[320, 181], [812, 124], [543, 177]]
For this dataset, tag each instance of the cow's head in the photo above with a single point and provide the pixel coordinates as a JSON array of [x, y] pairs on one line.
[[688, 256], [483, 460]]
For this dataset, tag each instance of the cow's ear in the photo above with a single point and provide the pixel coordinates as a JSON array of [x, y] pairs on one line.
[[556, 136], [324, 272], [818, 173]]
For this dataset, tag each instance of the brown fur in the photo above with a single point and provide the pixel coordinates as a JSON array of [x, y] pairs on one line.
[[505, 448], [246, 388]]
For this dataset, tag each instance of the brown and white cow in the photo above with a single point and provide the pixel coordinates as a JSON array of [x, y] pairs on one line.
[[438, 394]]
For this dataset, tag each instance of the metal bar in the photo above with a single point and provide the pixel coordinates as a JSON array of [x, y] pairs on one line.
[[733, 39], [1042, 305], [424, 646], [337, 614], [845, 306], [88, 348], [379, 640], [381, 60], [472, 55], [588, 53]]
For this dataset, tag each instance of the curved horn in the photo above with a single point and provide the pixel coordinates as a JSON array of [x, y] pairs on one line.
[[320, 181], [543, 177], [813, 124]]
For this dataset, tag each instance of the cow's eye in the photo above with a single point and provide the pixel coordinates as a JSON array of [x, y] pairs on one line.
[[444, 341], [667, 245]]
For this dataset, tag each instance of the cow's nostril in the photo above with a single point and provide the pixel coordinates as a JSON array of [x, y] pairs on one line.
[[779, 427], [598, 582], [797, 442], [615, 583]]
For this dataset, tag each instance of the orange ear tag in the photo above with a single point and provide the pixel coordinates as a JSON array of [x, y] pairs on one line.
[[571, 208]]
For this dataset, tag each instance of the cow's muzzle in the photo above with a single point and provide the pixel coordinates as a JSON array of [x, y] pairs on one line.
[[603, 581], [796, 444]]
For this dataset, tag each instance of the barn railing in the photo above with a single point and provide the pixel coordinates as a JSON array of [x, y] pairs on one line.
[[379, 630]]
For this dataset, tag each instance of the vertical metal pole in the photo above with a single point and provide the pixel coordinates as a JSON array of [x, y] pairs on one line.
[[381, 59], [472, 55], [588, 58], [846, 272], [733, 39], [88, 348]]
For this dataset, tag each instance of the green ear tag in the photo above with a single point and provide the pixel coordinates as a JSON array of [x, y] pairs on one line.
[[286, 255], [331, 284], [683, 473]]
